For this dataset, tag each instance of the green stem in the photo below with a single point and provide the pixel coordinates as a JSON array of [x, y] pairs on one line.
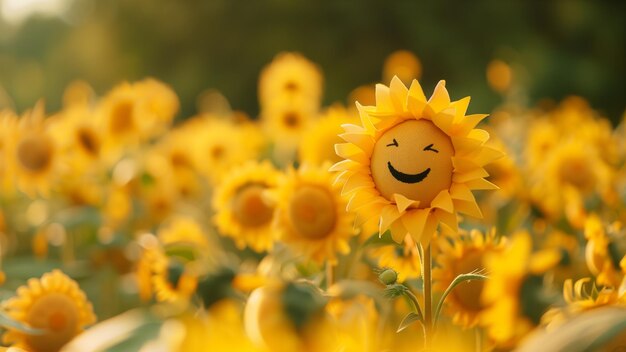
[[329, 275], [428, 305], [415, 302]]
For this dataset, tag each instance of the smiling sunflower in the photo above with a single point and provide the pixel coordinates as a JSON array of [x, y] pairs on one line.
[[414, 162]]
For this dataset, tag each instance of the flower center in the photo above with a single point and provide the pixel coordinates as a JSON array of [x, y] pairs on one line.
[[56, 313], [88, 140], [217, 152], [576, 171], [122, 117], [468, 292], [35, 153], [291, 120], [291, 86], [312, 212], [249, 207]]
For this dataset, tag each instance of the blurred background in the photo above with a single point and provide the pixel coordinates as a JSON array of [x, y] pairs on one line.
[[555, 48]]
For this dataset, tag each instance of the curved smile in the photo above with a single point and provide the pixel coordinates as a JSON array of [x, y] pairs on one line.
[[407, 178]]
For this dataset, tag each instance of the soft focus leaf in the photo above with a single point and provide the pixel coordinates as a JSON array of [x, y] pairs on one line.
[[7, 322], [408, 320]]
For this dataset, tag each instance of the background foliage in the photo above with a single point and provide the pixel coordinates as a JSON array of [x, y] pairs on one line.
[[557, 48]]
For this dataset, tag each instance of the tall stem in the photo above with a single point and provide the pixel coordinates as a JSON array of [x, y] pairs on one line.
[[428, 300], [329, 274]]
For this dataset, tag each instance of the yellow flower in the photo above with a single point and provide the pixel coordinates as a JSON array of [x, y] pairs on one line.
[[513, 295], [579, 300], [134, 113], [220, 145], [404, 259], [355, 321], [243, 212], [174, 278], [311, 214], [288, 317], [286, 123], [604, 251], [290, 76], [499, 76], [413, 193], [464, 254], [8, 125], [318, 143], [35, 155], [184, 230], [404, 64], [54, 303]]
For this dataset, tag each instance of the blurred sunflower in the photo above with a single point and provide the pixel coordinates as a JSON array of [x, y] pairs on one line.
[[311, 214], [318, 143], [286, 124], [403, 259], [35, 155], [290, 76], [288, 317], [579, 299], [514, 297], [54, 303], [464, 254], [173, 277], [8, 125], [219, 145], [414, 193], [403, 64], [604, 251], [183, 230], [243, 212]]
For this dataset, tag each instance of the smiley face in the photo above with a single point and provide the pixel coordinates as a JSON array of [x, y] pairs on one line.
[[414, 159]]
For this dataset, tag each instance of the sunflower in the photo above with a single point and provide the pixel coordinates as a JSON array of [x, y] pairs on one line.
[[579, 299], [462, 255], [8, 125], [290, 76], [513, 295], [414, 193], [243, 212], [54, 303], [604, 251], [185, 230], [173, 277], [317, 145], [403, 259], [404, 64], [35, 155], [311, 214], [499, 76], [286, 123], [220, 145]]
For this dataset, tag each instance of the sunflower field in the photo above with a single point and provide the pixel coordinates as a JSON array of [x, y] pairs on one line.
[[397, 217]]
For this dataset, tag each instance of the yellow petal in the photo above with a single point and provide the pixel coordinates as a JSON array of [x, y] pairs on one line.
[[461, 106], [440, 98], [388, 215], [383, 98], [469, 208], [398, 231], [415, 220], [362, 141], [404, 202], [443, 201], [480, 184], [542, 261], [461, 191], [357, 182], [399, 93], [467, 176]]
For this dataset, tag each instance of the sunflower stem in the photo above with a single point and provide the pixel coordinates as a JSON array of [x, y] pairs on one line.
[[329, 275], [428, 302], [479, 339]]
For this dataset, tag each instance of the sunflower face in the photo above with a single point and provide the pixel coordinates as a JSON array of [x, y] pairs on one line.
[[312, 212], [414, 159], [413, 162]]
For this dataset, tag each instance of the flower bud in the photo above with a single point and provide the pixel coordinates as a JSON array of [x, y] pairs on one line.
[[388, 277]]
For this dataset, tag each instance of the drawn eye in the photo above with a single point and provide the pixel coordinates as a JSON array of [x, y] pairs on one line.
[[395, 143], [430, 147]]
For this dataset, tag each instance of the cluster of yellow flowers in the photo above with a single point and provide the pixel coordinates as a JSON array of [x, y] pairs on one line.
[[299, 229]]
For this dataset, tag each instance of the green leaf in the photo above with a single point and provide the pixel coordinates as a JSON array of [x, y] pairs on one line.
[[457, 281], [408, 320], [7, 322], [375, 240]]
